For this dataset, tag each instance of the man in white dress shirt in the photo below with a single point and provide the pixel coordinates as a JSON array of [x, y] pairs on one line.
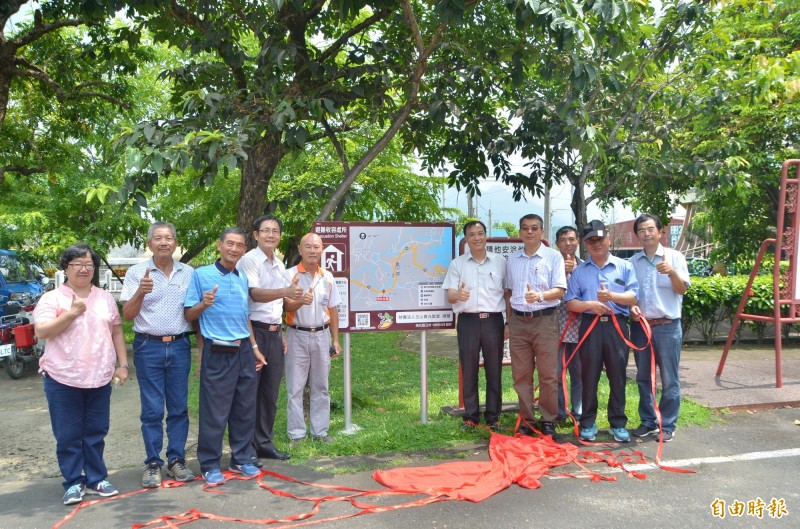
[[475, 284]]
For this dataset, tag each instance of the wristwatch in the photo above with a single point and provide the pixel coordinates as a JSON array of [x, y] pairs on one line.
[[541, 297]]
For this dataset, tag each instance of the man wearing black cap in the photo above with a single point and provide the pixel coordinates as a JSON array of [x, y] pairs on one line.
[[603, 288]]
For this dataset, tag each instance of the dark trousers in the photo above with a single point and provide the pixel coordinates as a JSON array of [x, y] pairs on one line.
[[269, 385], [227, 398], [474, 334], [575, 380], [604, 347], [80, 418]]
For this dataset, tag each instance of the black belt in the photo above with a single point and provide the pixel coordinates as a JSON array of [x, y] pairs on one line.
[[271, 327], [481, 315], [168, 338], [534, 314], [591, 315], [310, 329]]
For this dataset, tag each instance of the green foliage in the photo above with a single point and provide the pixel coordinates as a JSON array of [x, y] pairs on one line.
[[715, 299], [748, 66], [511, 229]]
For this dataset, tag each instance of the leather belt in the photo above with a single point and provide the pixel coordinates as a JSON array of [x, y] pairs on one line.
[[310, 329], [591, 316], [660, 321], [271, 327], [534, 314], [481, 315], [168, 338]]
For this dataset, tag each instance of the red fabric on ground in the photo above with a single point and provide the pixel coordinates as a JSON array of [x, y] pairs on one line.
[[521, 460]]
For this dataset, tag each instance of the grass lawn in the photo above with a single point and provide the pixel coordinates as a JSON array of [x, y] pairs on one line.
[[386, 404]]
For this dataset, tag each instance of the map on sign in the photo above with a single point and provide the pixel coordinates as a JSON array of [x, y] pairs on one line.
[[402, 267]]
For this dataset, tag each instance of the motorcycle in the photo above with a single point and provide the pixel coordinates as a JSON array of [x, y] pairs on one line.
[[18, 343]]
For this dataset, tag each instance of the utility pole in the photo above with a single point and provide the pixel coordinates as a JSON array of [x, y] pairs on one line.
[[546, 216]]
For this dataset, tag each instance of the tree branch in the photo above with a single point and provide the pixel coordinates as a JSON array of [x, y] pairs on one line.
[[338, 43], [40, 29], [25, 171]]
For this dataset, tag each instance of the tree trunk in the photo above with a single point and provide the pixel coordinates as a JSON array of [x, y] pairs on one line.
[[262, 159]]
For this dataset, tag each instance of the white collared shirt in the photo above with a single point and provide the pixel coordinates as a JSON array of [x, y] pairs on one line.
[[657, 299], [485, 281], [542, 271], [266, 273]]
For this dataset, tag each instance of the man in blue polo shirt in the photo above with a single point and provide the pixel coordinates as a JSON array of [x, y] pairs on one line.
[[603, 288], [153, 296], [217, 297]]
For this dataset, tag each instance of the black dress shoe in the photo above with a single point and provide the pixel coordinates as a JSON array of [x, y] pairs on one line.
[[256, 462], [273, 454], [524, 429], [548, 428]]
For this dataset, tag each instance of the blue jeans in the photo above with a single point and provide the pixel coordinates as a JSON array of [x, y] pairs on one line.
[[80, 418], [162, 369], [666, 343]]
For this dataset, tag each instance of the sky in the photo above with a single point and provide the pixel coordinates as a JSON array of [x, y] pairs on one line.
[[496, 198]]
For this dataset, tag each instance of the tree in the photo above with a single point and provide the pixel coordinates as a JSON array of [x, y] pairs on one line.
[[590, 101], [59, 71], [511, 229], [269, 77], [750, 63]]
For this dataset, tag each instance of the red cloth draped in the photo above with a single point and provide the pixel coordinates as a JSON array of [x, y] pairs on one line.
[[521, 460]]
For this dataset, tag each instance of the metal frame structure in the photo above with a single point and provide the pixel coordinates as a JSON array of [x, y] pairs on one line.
[[784, 286]]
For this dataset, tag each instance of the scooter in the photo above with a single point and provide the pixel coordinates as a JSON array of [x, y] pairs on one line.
[[18, 343]]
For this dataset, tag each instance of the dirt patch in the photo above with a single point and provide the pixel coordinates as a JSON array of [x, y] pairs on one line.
[[28, 446]]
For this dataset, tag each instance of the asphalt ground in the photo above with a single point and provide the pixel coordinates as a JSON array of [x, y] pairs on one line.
[[751, 457]]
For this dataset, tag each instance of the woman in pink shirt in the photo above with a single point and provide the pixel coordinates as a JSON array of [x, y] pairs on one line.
[[85, 349]]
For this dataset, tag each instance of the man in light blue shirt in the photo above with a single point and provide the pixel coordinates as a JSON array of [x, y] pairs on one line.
[[663, 279], [603, 288], [218, 297]]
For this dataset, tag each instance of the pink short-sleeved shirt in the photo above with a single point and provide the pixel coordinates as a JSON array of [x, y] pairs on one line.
[[83, 355]]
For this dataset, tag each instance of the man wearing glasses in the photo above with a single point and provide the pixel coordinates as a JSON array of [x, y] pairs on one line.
[[269, 285], [663, 279], [602, 288], [535, 282], [152, 296]]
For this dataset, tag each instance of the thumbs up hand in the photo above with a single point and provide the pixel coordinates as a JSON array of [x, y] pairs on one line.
[[569, 264], [604, 294], [308, 297], [463, 293], [209, 296], [78, 306], [146, 283], [293, 291], [530, 295]]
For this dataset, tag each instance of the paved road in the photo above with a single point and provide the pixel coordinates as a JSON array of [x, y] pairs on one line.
[[747, 457]]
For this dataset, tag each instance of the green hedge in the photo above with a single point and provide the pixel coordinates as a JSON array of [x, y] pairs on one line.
[[714, 300]]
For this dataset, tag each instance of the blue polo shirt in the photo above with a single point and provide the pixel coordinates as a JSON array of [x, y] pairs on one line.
[[617, 274], [227, 318]]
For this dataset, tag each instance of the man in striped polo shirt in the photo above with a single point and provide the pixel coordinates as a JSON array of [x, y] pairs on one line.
[[217, 297], [153, 296], [535, 282]]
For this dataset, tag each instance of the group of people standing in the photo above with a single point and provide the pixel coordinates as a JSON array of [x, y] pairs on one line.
[[554, 308], [236, 306]]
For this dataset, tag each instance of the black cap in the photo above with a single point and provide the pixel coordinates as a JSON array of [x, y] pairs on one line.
[[594, 228]]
